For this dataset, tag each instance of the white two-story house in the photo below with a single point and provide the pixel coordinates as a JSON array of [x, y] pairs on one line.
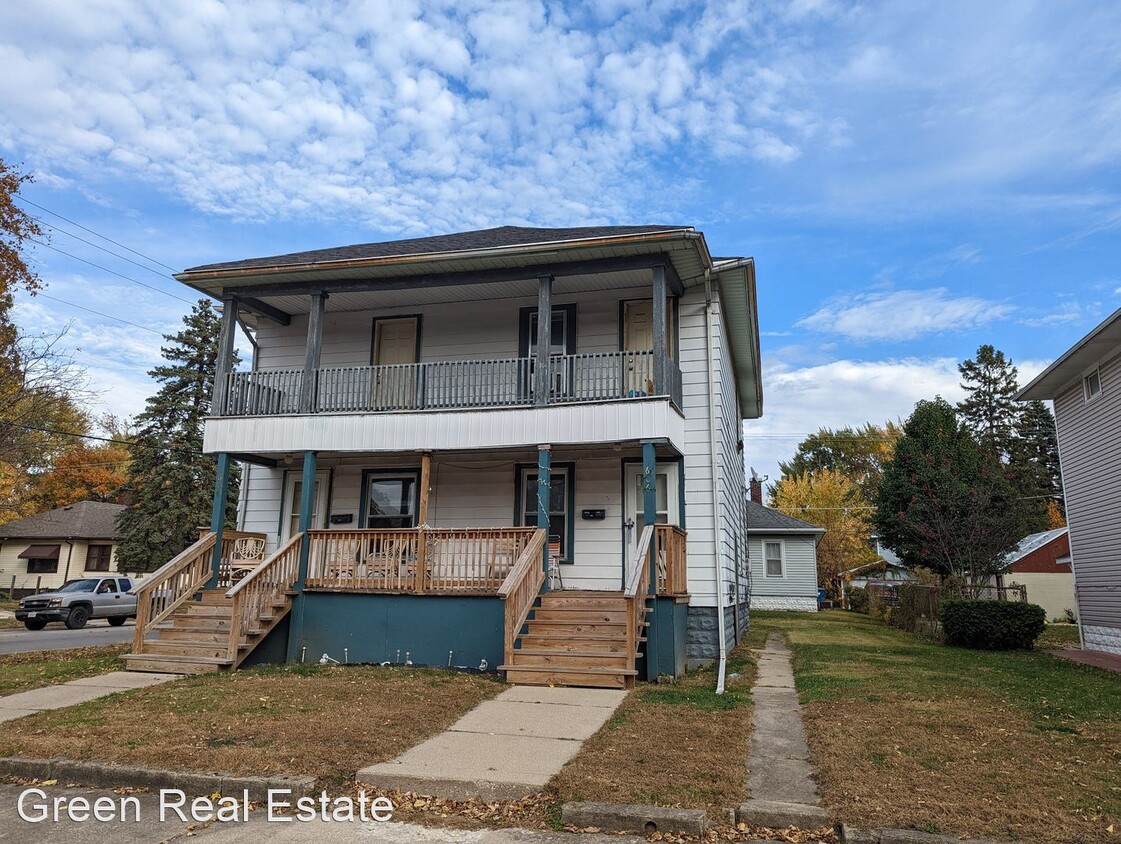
[[514, 448]]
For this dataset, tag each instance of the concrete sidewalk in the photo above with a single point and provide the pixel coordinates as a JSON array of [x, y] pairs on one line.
[[502, 749], [76, 691]]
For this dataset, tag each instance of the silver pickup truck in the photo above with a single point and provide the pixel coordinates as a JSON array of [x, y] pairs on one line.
[[77, 601]]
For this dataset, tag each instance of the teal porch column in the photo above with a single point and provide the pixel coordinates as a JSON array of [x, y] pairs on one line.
[[307, 505], [544, 486], [649, 517], [218, 515]]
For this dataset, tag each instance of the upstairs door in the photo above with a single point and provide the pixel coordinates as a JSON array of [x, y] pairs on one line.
[[562, 342], [638, 336], [396, 349]]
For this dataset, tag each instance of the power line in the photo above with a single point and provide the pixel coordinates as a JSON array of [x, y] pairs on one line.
[[103, 249], [129, 443], [111, 272], [99, 313], [22, 198]]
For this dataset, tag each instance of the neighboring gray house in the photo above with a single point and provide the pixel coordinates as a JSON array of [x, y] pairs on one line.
[[783, 554], [1085, 385]]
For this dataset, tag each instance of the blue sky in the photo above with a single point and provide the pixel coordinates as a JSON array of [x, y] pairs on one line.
[[913, 180]]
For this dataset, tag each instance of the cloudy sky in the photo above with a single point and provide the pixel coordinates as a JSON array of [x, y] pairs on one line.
[[913, 179]]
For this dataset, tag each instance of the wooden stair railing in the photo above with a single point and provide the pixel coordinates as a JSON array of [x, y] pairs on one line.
[[669, 544], [170, 586], [261, 599], [520, 589], [637, 593]]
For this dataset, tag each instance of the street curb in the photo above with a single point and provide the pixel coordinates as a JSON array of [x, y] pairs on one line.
[[445, 789], [850, 835], [101, 775], [775, 815], [643, 820]]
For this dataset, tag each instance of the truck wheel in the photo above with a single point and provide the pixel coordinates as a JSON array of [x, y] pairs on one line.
[[117, 620], [35, 623], [77, 618]]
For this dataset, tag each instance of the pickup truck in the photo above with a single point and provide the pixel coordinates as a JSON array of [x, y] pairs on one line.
[[77, 601]]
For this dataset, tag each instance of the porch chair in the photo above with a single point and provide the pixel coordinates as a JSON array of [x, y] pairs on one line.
[[247, 554]]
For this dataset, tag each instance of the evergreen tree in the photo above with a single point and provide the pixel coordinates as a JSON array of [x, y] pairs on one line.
[[989, 408], [944, 501], [1033, 462], [170, 479]]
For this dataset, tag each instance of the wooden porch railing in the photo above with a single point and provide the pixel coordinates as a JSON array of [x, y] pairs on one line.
[[520, 589], [637, 591], [260, 597], [160, 594], [417, 560], [669, 545]]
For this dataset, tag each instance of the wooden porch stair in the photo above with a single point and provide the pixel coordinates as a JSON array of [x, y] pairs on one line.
[[196, 638], [575, 638]]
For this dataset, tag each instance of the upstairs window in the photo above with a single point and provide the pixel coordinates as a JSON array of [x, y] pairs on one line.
[[772, 559], [1092, 385]]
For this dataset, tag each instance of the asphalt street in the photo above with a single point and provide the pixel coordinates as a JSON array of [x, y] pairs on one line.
[[56, 636], [151, 830]]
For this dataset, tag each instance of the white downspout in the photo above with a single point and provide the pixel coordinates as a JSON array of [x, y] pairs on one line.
[[1070, 544], [718, 568]]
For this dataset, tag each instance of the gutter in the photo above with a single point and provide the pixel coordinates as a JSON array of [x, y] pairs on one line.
[[718, 568]]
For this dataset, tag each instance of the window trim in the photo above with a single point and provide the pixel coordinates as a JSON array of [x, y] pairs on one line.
[[363, 513], [108, 556], [781, 558], [520, 473], [1095, 373]]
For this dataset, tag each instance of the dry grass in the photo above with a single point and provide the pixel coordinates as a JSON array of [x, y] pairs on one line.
[[22, 672], [1058, 636], [1014, 746], [673, 744], [326, 722]]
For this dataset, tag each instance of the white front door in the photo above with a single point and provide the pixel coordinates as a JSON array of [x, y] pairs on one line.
[[395, 347], [293, 490], [667, 502]]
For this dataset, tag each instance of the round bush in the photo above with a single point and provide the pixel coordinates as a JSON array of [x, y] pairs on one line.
[[992, 625]]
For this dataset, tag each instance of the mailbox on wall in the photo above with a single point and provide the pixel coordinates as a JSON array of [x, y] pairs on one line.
[[593, 515]]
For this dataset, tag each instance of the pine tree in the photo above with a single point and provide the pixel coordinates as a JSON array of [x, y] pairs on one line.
[[944, 501], [1033, 461], [989, 408], [170, 479]]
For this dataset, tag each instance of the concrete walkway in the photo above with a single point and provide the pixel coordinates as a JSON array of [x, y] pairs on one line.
[[76, 691], [502, 749], [780, 777]]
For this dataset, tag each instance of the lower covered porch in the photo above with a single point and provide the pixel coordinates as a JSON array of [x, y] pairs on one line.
[[554, 565]]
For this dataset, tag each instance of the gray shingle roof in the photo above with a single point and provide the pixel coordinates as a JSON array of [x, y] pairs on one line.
[[460, 242], [762, 519], [84, 520]]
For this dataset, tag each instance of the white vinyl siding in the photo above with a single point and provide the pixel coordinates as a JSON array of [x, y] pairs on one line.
[[1089, 435], [13, 568]]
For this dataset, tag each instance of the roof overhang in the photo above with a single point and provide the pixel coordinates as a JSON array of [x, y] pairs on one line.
[[1101, 343], [736, 280]]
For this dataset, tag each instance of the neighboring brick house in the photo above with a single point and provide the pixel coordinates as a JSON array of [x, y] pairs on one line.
[[44, 551], [1041, 562]]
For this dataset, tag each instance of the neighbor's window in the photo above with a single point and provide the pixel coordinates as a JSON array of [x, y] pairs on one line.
[[97, 557], [772, 556], [1092, 384], [39, 566]]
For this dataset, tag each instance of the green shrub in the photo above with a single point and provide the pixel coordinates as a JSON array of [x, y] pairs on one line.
[[858, 599], [992, 625]]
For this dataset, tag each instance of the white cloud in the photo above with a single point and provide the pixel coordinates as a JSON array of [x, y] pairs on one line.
[[903, 314]]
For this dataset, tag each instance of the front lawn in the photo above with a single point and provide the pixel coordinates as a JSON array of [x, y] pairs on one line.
[[7, 605], [903, 733], [671, 744], [22, 672], [1058, 636], [324, 721]]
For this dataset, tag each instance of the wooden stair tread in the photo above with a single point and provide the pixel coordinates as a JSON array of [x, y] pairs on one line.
[[209, 660], [629, 672]]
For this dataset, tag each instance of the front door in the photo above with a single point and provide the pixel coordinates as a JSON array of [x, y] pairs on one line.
[[666, 501], [293, 491], [395, 350]]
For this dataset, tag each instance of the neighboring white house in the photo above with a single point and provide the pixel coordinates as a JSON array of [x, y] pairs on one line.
[[1085, 385], [783, 560], [418, 409], [1041, 563], [44, 551]]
